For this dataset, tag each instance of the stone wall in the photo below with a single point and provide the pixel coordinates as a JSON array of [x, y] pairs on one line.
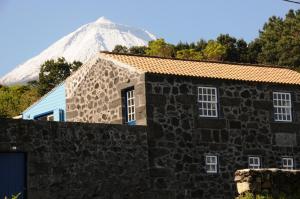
[[77, 160], [179, 139], [94, 94], [273, 182]]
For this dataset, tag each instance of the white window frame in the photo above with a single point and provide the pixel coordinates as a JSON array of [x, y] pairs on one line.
[[254, 162], [130, 105], [286, 161], [282, 104], [208, 101], [211, 163]]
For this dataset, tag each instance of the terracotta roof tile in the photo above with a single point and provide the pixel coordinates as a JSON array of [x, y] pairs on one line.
[[216, 70]]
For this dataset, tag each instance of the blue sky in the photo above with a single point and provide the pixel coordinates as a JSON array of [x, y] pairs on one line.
[[28, 27]]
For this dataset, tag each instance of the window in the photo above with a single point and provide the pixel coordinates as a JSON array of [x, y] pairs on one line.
[[282, 106], [288, 163], [49, 116], [254, 162], [207, 99], [130, 107], [211, 164]]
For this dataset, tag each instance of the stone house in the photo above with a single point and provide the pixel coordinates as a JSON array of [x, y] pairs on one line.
[[204, 120]]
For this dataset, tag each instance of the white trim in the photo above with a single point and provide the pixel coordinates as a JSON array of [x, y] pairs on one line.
[[211, 163], [208, 102], [288, 163], [282, 104], [130, 102], [254, 162]]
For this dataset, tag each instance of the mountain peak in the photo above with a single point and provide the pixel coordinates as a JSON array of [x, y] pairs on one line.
[[103, 20], [80, 45]]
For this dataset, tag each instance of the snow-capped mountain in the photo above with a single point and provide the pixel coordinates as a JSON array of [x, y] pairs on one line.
[[81, 45]]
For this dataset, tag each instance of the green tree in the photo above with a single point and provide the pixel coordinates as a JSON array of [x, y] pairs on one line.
[[280, 40], [191, 54], [242, 51], [120, 49], [15, 99], [54, 72], [229, 43], [254, 49], [200, 45], [214, 51], [160, 48], [182, 46], [138, 50]]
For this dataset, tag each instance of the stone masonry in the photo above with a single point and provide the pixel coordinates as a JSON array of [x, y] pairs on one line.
[[179, 139], [277, 183], [80, 161], [94, 94]]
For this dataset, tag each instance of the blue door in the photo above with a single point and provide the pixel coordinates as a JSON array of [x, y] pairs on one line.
[[12, 175]]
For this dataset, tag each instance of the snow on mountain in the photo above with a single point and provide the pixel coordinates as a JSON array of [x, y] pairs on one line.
[[81, 45]]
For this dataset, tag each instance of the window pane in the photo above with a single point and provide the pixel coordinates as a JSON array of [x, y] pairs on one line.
[[207, 101], [282, 106]]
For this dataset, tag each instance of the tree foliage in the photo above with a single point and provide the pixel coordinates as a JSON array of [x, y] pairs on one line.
[[138, 50], [191, 54], [160, 48], [54, 72], [15, 99], [120, 49], [214, 51], [280, 40]]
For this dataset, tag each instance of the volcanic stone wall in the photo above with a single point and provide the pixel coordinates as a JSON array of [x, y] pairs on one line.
[[77, 160], [276, 183], [94, 93], [179, 139]]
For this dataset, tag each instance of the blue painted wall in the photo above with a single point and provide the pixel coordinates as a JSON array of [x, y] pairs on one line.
[[54, 101]]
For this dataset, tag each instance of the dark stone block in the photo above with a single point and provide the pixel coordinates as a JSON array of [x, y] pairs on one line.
[[161, 183], [186, 99], [187, 136], [157, 90], [166, 90], [160, 172], [157, 100], [187, 159], [263, 105], [183, 89], [296, 106], [153, 78], [185, 124], [245, 94], [285, 127], [155, 130], [174, 121], [252, 125], [235, 125], [206, 135], [226, 101], [216, 136], [158, 152], [244, 117], [217, 147], [197, 194], [210, 123], [174, 90], [224, 136]]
